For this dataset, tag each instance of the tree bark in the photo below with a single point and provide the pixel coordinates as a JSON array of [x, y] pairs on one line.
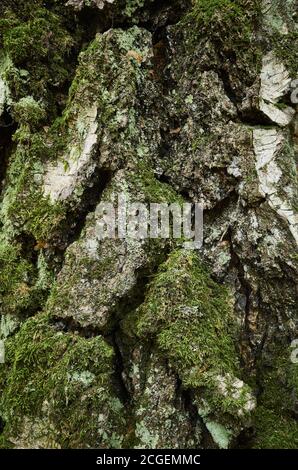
[[121, 342]]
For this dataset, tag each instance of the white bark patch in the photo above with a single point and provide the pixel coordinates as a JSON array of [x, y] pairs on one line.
[[3, 95], [62, 178], [282, 117], [267, 143], [275, 83], [275, 80]]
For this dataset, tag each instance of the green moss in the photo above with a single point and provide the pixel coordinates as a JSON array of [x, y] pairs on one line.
[[205, 11], [190, 314], [232, 28], [26, 213], [286, 47], [142, 180], [235, 17], [39, 46], [275, 424], [28, 112], [190, 318], [275, 431], [24, 207], [23, 285], [63, 379], [17, 277]]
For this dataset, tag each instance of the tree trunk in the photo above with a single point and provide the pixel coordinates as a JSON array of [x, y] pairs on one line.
[[122, 341]]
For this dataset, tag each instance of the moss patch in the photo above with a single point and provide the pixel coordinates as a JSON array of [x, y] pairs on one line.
[[236, 19], [24, 208], [232, 28], [190, 317], [63, 379], [183, 291], [39, 46], [24, 283], [275, 423], [275, 431]]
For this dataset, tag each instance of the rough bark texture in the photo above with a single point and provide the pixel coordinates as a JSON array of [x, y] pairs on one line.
[[131, 343]]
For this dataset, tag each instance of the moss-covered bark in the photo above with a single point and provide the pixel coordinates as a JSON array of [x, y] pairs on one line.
[[141, 343]]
